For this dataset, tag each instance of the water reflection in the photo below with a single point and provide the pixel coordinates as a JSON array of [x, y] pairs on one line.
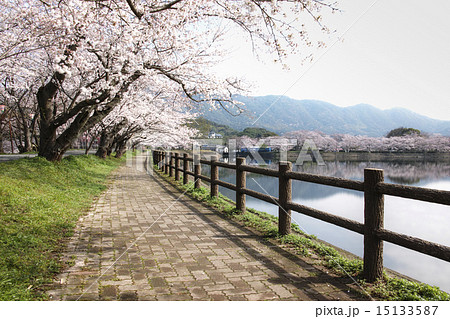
[[424, 220], [406, 173], [394, 172]]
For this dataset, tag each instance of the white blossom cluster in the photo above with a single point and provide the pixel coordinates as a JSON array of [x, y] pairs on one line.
[[346, 142], [95, 52]]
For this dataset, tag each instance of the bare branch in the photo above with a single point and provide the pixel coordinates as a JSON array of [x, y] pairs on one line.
[[135, 11], [167, 6]]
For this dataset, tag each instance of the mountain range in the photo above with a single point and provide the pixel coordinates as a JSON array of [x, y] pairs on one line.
[[282, 114]]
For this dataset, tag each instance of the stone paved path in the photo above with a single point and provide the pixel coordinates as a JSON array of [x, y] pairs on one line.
[[142, 240]]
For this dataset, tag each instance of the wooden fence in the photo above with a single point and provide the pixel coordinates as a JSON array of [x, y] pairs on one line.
[[373, 187]]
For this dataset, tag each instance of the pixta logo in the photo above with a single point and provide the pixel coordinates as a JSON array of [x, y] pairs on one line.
[[256, 151], [304, 156]]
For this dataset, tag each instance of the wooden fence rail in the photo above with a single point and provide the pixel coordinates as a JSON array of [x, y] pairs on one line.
[[373, 187]]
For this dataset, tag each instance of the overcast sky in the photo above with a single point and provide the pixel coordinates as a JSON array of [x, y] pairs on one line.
[[393, 54]]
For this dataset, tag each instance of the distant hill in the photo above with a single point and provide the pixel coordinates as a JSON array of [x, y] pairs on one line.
[[283, 114], [256, 132], [205, 126]]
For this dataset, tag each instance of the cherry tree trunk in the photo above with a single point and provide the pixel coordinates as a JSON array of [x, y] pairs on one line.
[[89, 145], [120, 143], [120, 149], [106, 139], [27, 145], [1, 139], [47, 143]]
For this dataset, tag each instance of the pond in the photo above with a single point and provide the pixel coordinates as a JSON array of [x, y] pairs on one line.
[[411, 217]]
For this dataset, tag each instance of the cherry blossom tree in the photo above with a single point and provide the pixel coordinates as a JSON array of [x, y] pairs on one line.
[[85, 55], [22, 114], [145, 117], [348, 143]]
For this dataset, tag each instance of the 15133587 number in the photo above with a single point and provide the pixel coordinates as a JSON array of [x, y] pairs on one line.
[[406, 310]]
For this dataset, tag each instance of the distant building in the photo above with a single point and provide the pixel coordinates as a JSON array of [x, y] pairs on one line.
[[208, 147], [213, 134], [215, 148], [222, 149], [256, 149]]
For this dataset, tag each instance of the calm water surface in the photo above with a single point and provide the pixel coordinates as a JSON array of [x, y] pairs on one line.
[[423, 220]]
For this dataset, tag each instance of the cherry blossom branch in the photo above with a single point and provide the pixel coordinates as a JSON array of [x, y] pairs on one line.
[[135, 11]]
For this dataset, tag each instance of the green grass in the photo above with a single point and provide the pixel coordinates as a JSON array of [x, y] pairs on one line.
[[40, 203], [388, 288]]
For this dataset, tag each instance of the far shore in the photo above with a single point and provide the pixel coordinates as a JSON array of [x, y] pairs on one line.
[[356, 156], [380, 156]]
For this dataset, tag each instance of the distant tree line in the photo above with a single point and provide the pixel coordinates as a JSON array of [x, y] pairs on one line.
[[403, 131], [204, 127], [349, 143]]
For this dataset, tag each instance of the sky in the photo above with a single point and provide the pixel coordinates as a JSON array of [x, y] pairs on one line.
[[386, 53]]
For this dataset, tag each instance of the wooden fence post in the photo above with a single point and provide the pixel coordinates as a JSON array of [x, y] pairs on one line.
[[240, 184], [157, 158], [185, 169], [161, 160], [166, 163], [177, 167], [373, 221], [285, 196], [171, 164], [214, 176], [197, 171]]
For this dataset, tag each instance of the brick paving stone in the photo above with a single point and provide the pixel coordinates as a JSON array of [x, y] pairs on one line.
[[218, 278], [180, 279], [142, 240], [138, 277], [239, 283], [128, 296], [217, 296], [239, 291], [108, 282], [197, 292], [178, 297], [146, 298], [88, 297], [109, 292], [220, 287], [125, 280], [262, 296], [237, 298], [158, 282], [127, 287], [70, 297], [281, 291]]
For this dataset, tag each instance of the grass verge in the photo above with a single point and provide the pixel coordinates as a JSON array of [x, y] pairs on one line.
[[40, 203], [389, 288]]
